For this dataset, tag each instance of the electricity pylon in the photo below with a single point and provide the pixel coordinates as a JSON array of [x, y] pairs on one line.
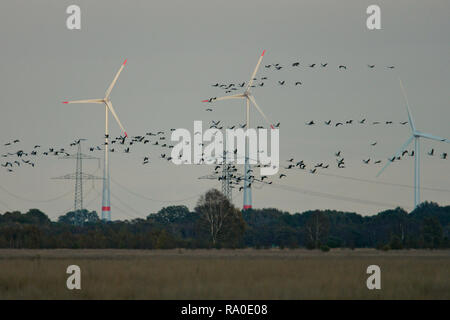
[[226, 176], [78, 176]]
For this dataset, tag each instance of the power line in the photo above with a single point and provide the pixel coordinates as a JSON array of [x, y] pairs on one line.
[[381, 182], [120, 209], [5, 205], [124, 212], [127, 206], [335, 197], [152, 199], [33, 200], [63, 212]]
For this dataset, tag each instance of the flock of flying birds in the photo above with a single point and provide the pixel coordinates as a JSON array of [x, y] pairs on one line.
[[236, 178], [19, 158], [15, 157], [351, 121], [313, 167], [230, 87]]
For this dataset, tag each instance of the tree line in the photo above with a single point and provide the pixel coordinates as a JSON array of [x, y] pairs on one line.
[[216, 223]]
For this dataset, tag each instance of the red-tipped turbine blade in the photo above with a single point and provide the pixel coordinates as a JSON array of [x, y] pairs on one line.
[[113, 83], [249, 84]]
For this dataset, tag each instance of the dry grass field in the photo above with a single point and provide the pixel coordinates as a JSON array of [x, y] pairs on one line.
[[224, 274]]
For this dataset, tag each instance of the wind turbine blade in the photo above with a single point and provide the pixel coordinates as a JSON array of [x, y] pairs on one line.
[[256, 70], [110, 107], [235, 96], [84, 101], [411, 121], [111, 86], [397, 154], [430, 136], [260, 111]]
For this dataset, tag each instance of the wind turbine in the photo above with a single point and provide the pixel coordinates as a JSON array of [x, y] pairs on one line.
[[415, 135], [106, 206], [248, 98]]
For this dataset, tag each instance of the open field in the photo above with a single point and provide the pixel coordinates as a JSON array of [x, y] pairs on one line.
[[224, 274]]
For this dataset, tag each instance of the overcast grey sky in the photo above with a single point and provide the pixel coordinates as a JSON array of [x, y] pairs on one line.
[[177, 49]]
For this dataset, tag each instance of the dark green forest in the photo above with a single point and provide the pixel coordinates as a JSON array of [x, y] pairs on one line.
[[216, 223]]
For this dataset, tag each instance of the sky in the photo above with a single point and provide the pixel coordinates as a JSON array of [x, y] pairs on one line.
[[177, 49]]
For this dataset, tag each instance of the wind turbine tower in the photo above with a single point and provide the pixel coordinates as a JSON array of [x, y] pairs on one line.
[[106, 204], [416, 135], [247, 95]]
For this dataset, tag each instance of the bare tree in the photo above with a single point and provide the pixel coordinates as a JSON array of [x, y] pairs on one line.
[[317, 229], [218, 213]]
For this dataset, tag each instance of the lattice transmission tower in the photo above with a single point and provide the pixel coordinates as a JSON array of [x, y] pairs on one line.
[[79, 175], [227, 176]]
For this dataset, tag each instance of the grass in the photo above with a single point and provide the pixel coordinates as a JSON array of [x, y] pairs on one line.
[[224, 274]]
